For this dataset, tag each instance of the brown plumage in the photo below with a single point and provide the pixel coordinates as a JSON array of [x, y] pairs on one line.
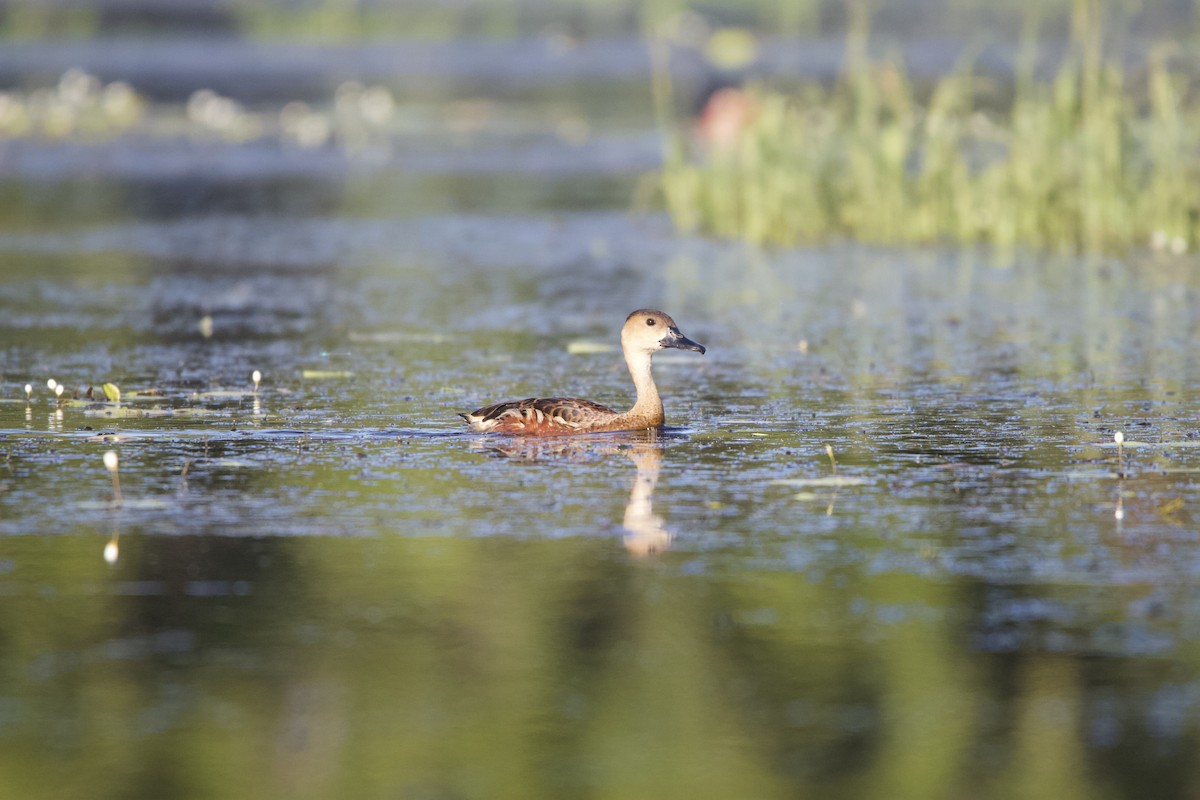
[[645, 332]]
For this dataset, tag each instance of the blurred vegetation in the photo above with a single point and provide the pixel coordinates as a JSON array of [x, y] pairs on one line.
[[1096, 158], [79, 106], [33, 19], [356, 19]]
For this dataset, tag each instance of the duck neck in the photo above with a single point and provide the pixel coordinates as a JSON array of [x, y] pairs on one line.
[[649, 407]]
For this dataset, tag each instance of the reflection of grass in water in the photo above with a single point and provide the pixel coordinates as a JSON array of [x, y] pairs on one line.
[[1086, 161]]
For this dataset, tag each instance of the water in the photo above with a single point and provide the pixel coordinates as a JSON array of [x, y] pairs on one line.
[[328, 587]]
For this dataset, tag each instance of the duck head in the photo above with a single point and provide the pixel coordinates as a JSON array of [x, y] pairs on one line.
[[649, 331]]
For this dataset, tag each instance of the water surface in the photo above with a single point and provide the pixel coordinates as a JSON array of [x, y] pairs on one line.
[[326, 586]]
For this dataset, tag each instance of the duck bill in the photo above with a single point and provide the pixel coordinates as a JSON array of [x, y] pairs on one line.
[[681, 342]]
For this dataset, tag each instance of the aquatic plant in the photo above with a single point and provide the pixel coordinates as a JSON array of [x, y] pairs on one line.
[[1089, 160]]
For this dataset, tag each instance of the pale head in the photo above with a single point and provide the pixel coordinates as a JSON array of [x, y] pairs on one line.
[[648, 331]]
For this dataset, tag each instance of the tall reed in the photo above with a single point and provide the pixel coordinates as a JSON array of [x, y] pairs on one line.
[[1091, 159]]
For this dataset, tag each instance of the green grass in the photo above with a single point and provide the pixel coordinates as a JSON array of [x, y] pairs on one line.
[[1092, 159]]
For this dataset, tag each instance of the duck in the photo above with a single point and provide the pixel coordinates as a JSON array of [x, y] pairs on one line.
[[645, 332]]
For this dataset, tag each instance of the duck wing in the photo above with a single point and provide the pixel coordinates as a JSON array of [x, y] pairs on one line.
[[539, 415]]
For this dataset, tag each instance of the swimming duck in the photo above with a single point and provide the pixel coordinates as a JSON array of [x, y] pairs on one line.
[[645, 332]]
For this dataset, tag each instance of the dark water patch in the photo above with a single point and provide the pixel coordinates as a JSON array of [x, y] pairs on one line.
[[193, 164], [172, 68], [471, 242]]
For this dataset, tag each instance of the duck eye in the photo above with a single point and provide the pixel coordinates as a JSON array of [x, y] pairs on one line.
[[650, 322]]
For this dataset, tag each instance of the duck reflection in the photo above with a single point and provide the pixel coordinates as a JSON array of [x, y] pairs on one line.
[[645, 533]]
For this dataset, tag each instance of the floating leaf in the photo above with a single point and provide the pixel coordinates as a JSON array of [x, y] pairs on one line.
[[148, 503], [325, 374], [1169, 508], [221, 394], [112, 392], [1081, 474], [829, 480], [231, 463], [583, 347], [123, 412], [385, 337], [197, 412]]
